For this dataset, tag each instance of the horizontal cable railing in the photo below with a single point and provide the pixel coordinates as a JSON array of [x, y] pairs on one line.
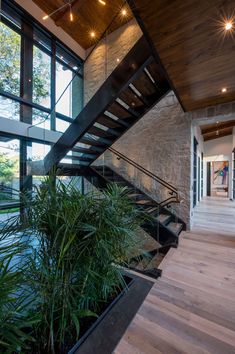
[[174, 198]]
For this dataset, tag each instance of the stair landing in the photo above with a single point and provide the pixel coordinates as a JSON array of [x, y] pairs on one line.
[[191, 308]]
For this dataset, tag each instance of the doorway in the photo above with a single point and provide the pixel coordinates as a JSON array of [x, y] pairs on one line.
[[218, 178]]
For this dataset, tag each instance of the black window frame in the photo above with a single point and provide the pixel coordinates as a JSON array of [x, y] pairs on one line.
[[28, 27], [25, 18]]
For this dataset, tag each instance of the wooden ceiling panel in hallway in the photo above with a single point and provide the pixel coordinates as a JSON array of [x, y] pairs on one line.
[[217, 130], [88, 16], [193, 45]]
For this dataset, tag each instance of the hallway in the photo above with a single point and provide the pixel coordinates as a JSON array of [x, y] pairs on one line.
[[191, 308], [215, 215]]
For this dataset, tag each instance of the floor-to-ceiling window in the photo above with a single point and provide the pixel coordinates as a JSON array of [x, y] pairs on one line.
[[41, 84]]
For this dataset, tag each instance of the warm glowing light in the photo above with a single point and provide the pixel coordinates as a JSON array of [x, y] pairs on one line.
[[102, 2], [71, 16], [45, 17], [118, 60], [228, 26], [93, 34], [224, 90], [124, 12]]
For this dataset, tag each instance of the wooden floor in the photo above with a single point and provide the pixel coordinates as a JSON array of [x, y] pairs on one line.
[[191, 308]]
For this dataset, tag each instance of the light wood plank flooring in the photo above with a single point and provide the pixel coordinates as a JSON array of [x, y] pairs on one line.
[[191, 308]]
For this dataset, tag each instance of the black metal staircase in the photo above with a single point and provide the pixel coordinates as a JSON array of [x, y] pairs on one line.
[[164, 226], [131, 90]]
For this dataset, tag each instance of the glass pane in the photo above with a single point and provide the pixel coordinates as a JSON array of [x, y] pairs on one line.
[[63, 78], [41, 119], [42, 38], [69, 95], [10, 43], [37, 152], [41, 77], [9, 171], [77, 96], [9, 109], [68, 58], [61, 125]]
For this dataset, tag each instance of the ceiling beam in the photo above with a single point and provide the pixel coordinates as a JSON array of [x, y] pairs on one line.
[[215, 136], [217, 127]]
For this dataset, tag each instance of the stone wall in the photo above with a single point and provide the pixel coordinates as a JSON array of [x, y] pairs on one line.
[[106, 56], [160, 141]]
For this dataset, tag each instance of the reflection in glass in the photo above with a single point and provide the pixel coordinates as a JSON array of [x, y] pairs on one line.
[[41, 119], [41, 77], [9, 171], [68, 94], [10, 44], [61, 125], [37, 151], [9, 108]]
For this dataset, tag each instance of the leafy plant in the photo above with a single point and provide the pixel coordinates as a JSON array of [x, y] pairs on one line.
[[78, 242], [15, 324]]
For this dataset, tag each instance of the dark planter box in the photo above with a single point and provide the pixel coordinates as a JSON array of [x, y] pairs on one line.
[[104, 335]]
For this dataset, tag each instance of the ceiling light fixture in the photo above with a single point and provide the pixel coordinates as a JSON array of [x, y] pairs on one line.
[[124, 12], [102, 2], [93, 34], [118, 60], [60, 8], [224, 89], [70, 13], [228, 26]]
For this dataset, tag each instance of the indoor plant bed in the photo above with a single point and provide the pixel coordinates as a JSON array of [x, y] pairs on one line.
[[70, 269], [104, 336]]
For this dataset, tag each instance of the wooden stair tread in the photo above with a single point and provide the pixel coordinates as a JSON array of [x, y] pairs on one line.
[[175, 227], [163, 218]]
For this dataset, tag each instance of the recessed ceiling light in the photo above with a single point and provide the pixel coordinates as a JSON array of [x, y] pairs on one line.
[[228, 26], [75, 67], [124, 12], [92, 34], [45, 17], [118, 60], [102, 2], [224, 89]]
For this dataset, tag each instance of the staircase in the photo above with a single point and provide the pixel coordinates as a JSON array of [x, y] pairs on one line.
[[163, 227], [131, 90]]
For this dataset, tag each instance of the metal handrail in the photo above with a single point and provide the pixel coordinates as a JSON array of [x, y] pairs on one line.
[[172, 190]]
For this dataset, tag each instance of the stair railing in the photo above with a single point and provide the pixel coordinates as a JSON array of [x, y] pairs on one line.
[[173, 192]]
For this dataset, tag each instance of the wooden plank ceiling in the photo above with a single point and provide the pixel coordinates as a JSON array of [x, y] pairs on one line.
[[196, 51], [217, 130], [89, 16]]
